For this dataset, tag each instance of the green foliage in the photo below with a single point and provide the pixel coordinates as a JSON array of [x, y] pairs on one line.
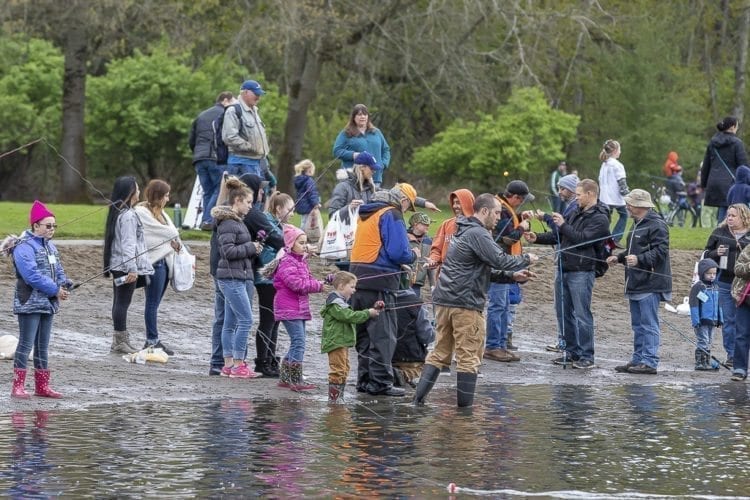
[[522, 137]]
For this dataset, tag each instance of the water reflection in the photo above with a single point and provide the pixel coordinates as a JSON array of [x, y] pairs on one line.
[[528, 439]]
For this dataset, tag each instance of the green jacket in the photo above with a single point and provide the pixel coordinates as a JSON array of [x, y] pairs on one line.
[[339, 322]]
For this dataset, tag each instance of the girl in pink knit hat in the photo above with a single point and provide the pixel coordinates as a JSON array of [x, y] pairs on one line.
[[294, 282]]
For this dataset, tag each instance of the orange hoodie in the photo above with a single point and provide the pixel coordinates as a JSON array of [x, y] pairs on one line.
[[445, 232]]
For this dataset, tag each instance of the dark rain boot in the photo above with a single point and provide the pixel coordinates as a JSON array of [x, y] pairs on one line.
[[427, 380], [284, 375], [336, 393], [297, 381], [702, 361], [269, 369], [120, 344], [466, 384]]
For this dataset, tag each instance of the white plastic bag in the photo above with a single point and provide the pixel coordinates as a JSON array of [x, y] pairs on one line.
[[348, 228], [334, 245], [183, 270]]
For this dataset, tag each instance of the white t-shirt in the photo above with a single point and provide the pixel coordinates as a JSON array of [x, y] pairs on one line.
[[609, 191]]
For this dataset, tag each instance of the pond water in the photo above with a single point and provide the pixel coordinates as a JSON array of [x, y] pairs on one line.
[[524, 440]]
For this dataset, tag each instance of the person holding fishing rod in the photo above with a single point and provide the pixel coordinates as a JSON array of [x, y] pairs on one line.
[[125, 257], [41, 285]]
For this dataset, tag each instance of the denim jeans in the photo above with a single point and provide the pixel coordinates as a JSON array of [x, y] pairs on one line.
[[155, 289], [242, 165], [217, 353], [238, 316], [497, 316], [729, 313], [617, 232], [644, 319], [296, 330], [34, 330], [209, 175], [703, 334], [742, 340], [573, 309]]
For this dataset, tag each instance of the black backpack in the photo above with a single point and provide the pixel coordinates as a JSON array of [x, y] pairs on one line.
[[222, 151]]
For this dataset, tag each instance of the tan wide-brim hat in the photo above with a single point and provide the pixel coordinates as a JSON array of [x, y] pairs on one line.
[[639, 198]]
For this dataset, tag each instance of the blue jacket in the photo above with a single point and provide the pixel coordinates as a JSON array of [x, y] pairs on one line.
[[705, 312], [371, 141], [740, 190], [307, 194], [40, 276]]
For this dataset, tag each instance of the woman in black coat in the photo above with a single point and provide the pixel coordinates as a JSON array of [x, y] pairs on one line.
[[724, 153]]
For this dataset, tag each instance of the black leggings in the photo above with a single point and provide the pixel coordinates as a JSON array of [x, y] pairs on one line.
[[268, 328], [121, 297]]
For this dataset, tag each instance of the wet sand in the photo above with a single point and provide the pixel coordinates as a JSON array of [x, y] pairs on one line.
[[87, 375]]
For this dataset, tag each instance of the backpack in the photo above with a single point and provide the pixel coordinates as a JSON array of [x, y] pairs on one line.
[[602, 250], [222, 151]]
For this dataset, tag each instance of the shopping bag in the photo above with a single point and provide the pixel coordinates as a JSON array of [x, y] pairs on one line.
[[334, 245], [313, 227], [349, 227], [183, 270]]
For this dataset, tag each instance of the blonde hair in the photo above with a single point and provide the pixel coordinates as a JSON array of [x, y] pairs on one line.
[[342, 278], [306, 167], [743, 212], [609, 148], [277, 201]]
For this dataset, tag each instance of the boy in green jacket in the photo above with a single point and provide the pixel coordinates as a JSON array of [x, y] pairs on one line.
[[339, 333]]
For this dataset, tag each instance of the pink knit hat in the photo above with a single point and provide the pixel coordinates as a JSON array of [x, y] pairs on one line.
[[291, 233], [39, 212]]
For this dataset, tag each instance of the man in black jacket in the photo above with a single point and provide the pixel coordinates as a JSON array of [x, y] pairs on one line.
[[648, 280], [202, 144], [577, 234]]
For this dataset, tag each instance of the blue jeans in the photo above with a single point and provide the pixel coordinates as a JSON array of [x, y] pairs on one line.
[[573, 309], [240, 165], [217, 353], [617, 232], [155, 289], [209, 175], [729, 313], [742, 340], [296, 330], [497, 316], [703, 337], [644, 319], [34, 330], [238, 316]]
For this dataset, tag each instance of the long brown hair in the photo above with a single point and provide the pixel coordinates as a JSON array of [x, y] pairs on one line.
[[155, 191], [351, 129]]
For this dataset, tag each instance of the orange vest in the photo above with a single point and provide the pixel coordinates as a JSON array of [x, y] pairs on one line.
[[515, 248], [367, 242]]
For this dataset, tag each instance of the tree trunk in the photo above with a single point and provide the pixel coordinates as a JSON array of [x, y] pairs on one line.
[[72, 185], [304, 75], [738, 109]]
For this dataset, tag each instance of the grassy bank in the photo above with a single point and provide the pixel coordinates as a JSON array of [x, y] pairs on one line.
[[87, 222]]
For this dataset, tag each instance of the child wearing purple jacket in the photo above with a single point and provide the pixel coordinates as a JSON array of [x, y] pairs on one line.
[[291, 306]]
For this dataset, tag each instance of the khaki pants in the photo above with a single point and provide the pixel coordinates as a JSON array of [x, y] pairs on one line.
[[462, 331], [338, 365], [411, 370]]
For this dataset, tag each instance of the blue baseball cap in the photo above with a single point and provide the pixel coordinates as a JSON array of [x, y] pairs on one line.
[[366, 159], [254, 86]]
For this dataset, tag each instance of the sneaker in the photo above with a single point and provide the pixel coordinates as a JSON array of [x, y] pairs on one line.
[[738, 377], [584, 364], [564, 360], [225, 371], [642, 369], [553, 348], [623, 368], [167, 350], [242, 371], [207, 226]]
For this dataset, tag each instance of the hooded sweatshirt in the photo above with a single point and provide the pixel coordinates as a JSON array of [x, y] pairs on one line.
[[704, 298], [740, 191], [447, 229]]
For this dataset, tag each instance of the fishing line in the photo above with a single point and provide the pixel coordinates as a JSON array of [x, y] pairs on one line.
[[674, 328], [19, 148]]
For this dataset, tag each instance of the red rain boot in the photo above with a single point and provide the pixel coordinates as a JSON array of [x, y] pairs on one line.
[[41, 378], [19, 379]]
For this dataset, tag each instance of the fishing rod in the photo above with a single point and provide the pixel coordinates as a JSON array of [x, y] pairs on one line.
[[672, 327]]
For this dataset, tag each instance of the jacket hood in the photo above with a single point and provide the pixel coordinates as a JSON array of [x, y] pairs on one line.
[[366, 210], [721, 139], [463, 224], [253, 182], [465, 198], [335, 298], [299, 181], [224, 212], [600, 208], [704, 265], [743, 175]]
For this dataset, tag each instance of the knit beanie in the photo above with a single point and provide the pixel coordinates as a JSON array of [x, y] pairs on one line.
[[38, 212], [568, 182], [291, 233]]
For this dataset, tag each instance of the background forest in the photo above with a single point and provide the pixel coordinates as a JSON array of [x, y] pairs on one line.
[[463, 90]]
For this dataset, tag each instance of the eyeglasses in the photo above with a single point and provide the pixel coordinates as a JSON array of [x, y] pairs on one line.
[[49, 226]]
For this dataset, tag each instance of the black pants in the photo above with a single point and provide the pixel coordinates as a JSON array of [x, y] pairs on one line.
[[268, 329], [376, 342], [121, 297]]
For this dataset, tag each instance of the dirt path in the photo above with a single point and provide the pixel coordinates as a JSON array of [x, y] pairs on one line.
[[88, 375]]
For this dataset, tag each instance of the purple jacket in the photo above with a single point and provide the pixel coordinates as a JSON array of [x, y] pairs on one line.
[[293, 283]]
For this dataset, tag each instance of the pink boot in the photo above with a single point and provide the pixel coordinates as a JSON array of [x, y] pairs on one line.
[[41, 378], [19, 379]]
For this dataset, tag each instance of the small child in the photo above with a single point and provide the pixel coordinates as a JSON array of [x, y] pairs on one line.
[[705, 312], [291, 305], [308, 200], [419, 225], [415, 332], [339, 332]]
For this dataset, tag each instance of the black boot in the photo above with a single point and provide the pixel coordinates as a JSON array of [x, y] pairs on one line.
[[702, 360], [466, 384], [269, 368], [428, 378]]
